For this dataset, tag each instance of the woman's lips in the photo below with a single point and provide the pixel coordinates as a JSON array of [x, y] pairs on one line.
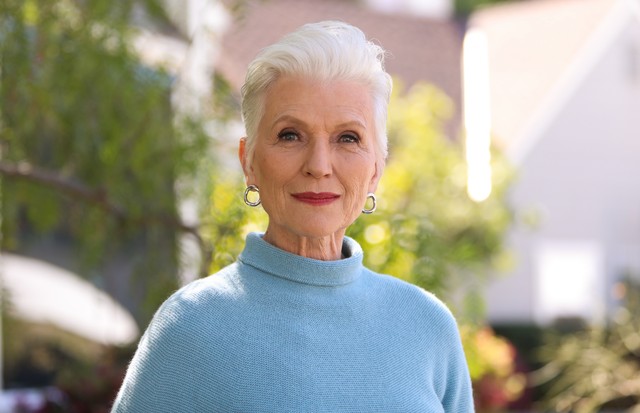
[[316, 198]]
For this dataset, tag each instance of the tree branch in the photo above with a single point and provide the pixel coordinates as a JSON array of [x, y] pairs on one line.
[[100, 199], [28, 172]]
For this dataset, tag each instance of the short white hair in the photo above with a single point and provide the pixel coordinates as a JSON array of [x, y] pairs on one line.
[[324, 51]]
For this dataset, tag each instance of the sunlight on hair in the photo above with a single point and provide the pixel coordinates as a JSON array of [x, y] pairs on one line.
[[477, 115]]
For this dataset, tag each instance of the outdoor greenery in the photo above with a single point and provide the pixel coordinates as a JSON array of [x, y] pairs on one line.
[[91, 152], [94, 156], [466, 7], [426, 229], [91, 149], [597, 369], [493, 369]]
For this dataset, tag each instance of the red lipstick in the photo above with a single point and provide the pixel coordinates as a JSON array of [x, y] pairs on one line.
[[316, 198]]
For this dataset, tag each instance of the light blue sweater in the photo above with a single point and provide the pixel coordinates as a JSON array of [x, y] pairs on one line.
[[276, 332]]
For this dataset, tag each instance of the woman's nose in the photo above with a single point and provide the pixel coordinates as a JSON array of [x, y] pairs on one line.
[[318, 161]]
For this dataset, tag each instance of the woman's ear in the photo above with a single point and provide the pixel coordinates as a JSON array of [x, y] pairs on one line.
[[375, 178], [245, 162]]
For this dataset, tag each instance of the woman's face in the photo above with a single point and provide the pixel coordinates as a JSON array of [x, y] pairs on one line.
[[314, 159]]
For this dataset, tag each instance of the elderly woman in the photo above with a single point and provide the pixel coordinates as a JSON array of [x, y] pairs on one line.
[[298, 324]]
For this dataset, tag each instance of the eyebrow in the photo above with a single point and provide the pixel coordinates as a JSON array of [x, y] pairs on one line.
[[295, 120]]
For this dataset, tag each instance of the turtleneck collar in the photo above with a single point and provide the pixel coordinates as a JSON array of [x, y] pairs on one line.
[[270, 259]]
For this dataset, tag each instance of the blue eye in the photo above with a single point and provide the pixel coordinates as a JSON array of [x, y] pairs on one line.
[[287, 135]]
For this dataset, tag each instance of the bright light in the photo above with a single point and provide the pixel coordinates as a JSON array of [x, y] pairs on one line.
[[569, 278], [477, 114]]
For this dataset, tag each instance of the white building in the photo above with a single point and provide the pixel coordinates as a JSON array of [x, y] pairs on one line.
[[565, 106]]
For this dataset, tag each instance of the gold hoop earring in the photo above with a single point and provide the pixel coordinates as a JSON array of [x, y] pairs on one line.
[[252, 188], [371, 196]]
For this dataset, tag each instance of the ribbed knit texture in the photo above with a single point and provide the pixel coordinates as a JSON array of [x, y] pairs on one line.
[[276, 332]]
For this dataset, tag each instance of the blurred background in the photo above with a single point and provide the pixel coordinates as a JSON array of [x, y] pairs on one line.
[[512, 187]]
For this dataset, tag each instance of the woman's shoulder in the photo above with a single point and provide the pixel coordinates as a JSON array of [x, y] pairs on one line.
[[197, 299], [411, 298], [225, 282]]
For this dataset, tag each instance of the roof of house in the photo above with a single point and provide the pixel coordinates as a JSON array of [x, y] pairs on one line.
[[419, 48], [531, 46]]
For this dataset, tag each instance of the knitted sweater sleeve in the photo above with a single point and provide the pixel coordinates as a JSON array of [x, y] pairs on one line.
[[164, 366], [458, 395], [455, 383], [450, 372]]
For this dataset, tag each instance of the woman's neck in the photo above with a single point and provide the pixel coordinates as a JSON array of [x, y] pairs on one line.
[[325, 248]]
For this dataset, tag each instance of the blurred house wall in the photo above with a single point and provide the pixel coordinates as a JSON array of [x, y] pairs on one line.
[[578, 166]]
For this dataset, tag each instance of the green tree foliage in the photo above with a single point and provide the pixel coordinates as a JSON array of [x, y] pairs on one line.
[[229, 220], [90, 147], [466, 7], [426, 230], [597, 369]]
